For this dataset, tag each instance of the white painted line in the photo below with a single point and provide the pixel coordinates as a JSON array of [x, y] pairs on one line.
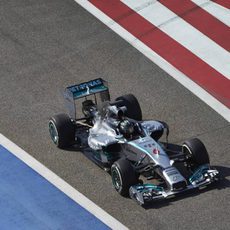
[[61, 184], [184, 80], [166, 66], [181, 31], [216, 10]]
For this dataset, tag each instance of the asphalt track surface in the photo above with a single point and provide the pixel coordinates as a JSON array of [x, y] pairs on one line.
[[46, 45]]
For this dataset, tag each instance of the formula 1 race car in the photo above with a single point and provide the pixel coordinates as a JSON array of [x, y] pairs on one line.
[[113, 135]]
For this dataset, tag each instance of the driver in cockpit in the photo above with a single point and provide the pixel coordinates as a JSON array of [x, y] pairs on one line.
[[130, 128]]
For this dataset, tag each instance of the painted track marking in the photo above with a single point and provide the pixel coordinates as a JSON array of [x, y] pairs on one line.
[[224, 3], [176, 28], [61, 184], [98, 9], [200, 19], [216, 10]]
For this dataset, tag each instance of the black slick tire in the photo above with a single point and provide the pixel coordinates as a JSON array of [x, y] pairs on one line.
[[123, 176], [62, 130], [132, 105], [196, 151]]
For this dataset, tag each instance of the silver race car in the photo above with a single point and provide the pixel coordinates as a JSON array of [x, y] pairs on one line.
[[113, 135]]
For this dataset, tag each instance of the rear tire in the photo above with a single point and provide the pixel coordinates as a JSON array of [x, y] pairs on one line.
[[196, 152], [123, 176], [132, 105], [62, 130]]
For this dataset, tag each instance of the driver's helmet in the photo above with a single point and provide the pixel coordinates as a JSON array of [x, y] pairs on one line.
[[126, 127]]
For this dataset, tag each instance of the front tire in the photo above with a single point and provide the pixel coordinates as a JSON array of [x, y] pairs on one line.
[[196, 152], [123, 176], [62, 130]]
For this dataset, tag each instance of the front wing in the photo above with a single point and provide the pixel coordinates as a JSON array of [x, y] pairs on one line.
[[144, 193]]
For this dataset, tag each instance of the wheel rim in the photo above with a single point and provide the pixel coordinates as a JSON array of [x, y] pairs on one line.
[[190, 159], [116, 179], [186, 150], [53, 132]]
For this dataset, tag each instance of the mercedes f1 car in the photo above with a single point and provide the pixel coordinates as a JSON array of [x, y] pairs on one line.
[[113, 135]]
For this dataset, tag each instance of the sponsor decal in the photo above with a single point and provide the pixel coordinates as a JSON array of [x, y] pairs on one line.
[[86, 85], [156, 151]]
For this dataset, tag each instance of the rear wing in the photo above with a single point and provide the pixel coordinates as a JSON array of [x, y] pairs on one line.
[[93, 87], [88, 88]]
